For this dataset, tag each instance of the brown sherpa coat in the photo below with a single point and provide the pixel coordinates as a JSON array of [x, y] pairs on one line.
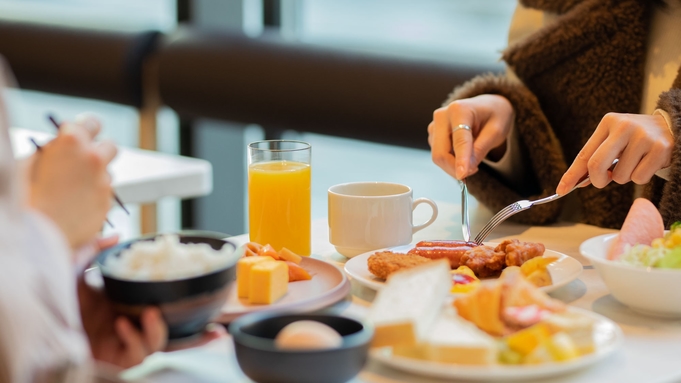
[[589, 62]]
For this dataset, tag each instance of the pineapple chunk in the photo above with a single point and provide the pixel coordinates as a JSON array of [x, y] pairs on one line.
[[562, 348], [558, 348], [537, 263], [525, 341], [540, 278], [464, 280], [536, 272]]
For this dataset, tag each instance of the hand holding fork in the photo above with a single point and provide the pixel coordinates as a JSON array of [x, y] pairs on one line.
[[523, 205]]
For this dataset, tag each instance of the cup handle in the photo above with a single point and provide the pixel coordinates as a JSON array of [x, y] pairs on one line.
[[432, 204]]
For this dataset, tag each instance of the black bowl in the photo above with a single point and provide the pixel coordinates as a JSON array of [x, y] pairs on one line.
[[187, 305], [263, 362]]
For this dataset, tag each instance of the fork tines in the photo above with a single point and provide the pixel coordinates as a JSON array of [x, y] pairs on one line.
[[498, 218]]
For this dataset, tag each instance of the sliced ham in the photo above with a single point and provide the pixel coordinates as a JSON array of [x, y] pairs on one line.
[[642, 225]]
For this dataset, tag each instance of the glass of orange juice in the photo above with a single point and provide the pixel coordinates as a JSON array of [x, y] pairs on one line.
[[279, 178]]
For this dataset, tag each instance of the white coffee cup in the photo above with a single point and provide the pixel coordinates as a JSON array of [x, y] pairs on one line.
[[365, 216]]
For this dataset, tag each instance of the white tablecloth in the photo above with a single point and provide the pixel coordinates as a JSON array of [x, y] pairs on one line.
[[140, 176], [650, 352]]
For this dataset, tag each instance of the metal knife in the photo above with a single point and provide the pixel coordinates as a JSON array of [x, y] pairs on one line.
[[465, 223]]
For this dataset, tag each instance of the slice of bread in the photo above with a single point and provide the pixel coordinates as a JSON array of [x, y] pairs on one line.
[[407, 306], [454, 340]]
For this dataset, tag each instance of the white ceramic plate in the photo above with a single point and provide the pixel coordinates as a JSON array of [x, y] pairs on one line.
[[563, 271], [607, 336], [327, 286]]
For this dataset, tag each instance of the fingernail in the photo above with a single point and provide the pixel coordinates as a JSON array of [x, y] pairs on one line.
[[89, 121], [460, 172], [67, 128]]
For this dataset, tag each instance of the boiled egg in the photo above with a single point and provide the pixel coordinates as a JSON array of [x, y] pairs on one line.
[[308, 335]]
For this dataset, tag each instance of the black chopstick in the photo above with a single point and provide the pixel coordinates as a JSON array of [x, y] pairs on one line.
[[40, 148], [118, 200]]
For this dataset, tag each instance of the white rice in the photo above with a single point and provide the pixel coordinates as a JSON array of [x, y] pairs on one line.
[[165, 258]]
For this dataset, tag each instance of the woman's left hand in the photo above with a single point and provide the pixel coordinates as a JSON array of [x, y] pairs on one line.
[[113, 338], [642, 143]]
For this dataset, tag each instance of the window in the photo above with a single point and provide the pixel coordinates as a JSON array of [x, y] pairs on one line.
[[98, 14], [120, 123], [450, 30]]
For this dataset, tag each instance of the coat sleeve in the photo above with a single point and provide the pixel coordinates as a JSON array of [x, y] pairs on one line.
[[40, 328], [545, 163], [667, 194]]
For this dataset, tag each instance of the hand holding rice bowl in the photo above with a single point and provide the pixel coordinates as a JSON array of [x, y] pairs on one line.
[[188, 299], [165, 258]]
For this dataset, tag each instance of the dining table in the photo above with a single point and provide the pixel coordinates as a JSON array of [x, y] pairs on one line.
[[138, 176], [649, 353]]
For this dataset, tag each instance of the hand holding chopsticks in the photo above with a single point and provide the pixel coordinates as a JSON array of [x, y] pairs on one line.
[[96, 130], [70, 183]]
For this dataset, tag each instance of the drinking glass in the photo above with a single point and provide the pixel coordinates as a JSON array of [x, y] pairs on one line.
[[279, 178]]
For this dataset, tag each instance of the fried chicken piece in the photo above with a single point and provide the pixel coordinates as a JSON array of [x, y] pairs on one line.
[[518, 252], [485, 261], [384, 263]]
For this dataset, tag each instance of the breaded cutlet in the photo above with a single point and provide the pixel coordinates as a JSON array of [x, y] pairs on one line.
[[383, 263]]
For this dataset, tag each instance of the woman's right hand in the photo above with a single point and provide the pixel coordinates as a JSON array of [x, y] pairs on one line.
[[459, 152], [69, 182]]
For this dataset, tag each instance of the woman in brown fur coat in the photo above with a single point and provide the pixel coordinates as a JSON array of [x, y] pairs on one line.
[[593, 81]]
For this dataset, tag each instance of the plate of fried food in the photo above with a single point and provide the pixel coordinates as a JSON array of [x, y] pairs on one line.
[[472, 264], [505, 330]]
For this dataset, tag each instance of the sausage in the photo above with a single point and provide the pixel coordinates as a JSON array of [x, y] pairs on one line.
[[447, 243], [452, 253]]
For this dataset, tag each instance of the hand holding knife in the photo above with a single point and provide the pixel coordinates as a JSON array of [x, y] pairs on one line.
[[465, 223]]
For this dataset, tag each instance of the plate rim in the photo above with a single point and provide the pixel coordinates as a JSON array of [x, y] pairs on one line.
[[332, 296], [501, 372], [376, 285]]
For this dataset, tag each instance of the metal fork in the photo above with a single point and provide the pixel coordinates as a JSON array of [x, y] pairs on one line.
[[523, 205]]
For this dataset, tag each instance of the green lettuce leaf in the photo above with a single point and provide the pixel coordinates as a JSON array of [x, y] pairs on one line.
[[671, 259]]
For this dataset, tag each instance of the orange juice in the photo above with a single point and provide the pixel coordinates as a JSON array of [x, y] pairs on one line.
[[279, 205]]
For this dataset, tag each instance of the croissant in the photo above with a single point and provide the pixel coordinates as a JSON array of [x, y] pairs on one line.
[[487, 306], [481, 307]]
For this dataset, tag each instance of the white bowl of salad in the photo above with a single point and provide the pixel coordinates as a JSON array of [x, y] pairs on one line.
[[647, 278]]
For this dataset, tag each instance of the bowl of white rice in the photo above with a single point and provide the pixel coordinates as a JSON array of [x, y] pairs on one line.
[[186, 275]]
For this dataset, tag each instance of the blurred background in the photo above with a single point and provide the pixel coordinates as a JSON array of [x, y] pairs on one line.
[[358, 79]]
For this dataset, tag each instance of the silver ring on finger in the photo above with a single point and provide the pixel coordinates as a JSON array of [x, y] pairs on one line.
[[459, 127]]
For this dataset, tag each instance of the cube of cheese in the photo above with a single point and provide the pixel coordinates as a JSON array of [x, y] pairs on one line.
[[243, 273], [269, 282], [407, 306]]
